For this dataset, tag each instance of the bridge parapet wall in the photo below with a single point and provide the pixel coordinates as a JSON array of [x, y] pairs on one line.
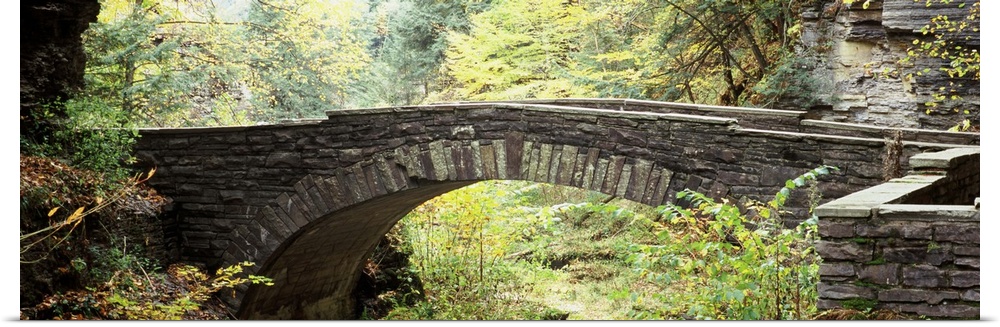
[[769, 119], [911, 244]]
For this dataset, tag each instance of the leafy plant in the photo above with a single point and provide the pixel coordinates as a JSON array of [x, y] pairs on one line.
[[460, 254], [134, 296], [717, 263]]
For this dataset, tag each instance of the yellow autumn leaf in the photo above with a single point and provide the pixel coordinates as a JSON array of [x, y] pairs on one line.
[[77, 215], [53, 211]]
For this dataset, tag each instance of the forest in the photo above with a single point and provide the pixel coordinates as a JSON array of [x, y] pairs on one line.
[[495, 250]]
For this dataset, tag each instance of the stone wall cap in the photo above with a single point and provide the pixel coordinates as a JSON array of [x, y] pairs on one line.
[[935, 212], [834, 138], [866, 200], [617, 101], [843, 210], [540, 108], [624, 114], [198, 130], [661, 104], [872, 128], [938, 146], [943, 159], [752, 111], [924, 179]]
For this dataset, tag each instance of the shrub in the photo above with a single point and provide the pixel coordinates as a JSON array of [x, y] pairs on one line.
[[722, 264]]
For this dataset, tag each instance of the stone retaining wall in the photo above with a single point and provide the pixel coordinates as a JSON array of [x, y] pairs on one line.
[[896, 246]]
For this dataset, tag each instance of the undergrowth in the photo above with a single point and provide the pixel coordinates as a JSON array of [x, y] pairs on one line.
[[715, 262], [516, 250], [89, 250]]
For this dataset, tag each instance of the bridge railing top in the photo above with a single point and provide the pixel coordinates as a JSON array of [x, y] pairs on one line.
[[624, 104], [798, 136], [236, 128], [537, 108]]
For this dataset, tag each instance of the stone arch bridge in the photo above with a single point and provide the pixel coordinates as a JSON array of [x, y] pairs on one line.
[[308, 200]]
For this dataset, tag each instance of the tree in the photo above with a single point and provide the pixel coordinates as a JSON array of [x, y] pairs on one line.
[[302, 54], [188, 63], [713, 51], [518, 49], [408, 48]]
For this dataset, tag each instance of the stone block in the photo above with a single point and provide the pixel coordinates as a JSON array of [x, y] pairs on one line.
[[958, 233], [917, 255], [825, 304], [916, 295], [845, 250], [971, 295], [844, 291], [735, 178], [836, 228], [640, 180], [964, 278], [623, 181], [283, 159], [898, 229], [613, 174], [944, 310], [836, 269], [628, 137], [967, 262], [463, 132], [924, 276], [883, 274]]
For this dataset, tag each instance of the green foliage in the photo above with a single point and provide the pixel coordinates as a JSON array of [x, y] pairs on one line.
[[720, 52], [518, 49], [458, 253], [291, 47], [876, 261], [546, 238], [93, 136], [789, 82], [180, 63], [717, 263], [37, 245], [129, 295], [692, 51], [708, 261], [409, 41]]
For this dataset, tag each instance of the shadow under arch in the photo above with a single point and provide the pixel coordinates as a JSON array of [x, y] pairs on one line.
[[315, 271]]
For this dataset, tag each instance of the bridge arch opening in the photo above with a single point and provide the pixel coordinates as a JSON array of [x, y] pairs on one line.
[[519, 250], [316, 266], [313, 240]]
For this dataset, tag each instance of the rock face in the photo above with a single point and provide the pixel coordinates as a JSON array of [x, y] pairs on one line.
[[52, 57], [851, 48]]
